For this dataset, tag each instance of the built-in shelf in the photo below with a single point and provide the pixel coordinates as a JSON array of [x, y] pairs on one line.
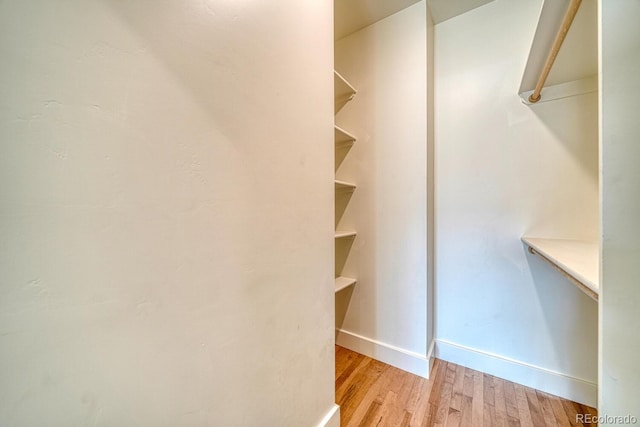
[[344, 186], [343, 190], [342, 137], [343, 91], [577, 260], [344, 282], [342, 234], [575, 69]]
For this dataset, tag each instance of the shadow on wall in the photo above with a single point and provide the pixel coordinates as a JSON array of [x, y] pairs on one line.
[[574, 122], [571, 320], [205, 46]]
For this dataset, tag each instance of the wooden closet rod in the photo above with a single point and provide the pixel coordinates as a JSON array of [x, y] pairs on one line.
[[557, 43]]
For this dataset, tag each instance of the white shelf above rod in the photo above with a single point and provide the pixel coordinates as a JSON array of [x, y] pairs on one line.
[[577, 260]]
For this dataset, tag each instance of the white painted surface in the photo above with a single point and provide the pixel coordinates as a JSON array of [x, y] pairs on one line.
[[159, 265], [563, 90], [504, 170], [339, 234], [620, 127], [581, 260], [353, 15], [386, 63], [430, 189], [578, 56], [343, 283], [441, 10]]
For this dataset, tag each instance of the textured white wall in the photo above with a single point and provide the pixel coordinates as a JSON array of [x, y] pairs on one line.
[[166, 213], [503, 170], [386, 63], [620, 322]]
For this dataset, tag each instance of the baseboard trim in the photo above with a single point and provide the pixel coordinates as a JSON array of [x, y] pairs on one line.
[[406, 360], [332, 418], [546, 380]]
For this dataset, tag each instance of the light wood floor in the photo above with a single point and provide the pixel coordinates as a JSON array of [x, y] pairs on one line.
[[371, 393]]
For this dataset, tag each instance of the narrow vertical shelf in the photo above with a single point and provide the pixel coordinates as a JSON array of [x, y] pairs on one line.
[[343, 141], [342, 90], [342, 137]]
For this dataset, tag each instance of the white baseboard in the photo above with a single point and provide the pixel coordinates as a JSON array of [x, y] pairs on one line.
[[332, 419], [409, 361], [546, 380]]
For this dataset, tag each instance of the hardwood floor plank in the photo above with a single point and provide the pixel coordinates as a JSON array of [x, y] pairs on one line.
[[458, 389], [571, 411], [429, 418], [488, 395], [414, 395], [371, 400], [422, 404], [406, 419], [477, 404], [438, 381], [443, 405], [468, 382], [524, 414], [387, 409], [500, 402], [547, 409], [403, 395], [359, 383], [373, 394], [511, 400], [453, 418], [558, 411], [371, 414], [537, 416], [466, 411], [346, 366]]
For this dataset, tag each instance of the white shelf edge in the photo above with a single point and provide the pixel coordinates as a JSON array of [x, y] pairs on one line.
[[343, 92], [340, 82], [577, 260], [343, 283], [344, 186], [341, 234], [341, 136], [563, 90]]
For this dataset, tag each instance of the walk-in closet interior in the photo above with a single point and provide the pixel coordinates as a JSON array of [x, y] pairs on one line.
[[479, 203], [202, 202]]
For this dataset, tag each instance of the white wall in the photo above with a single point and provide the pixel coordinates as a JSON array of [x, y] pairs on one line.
[[386, 313], [431, 249], [619, 390], [166, 213], [503, 170]]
